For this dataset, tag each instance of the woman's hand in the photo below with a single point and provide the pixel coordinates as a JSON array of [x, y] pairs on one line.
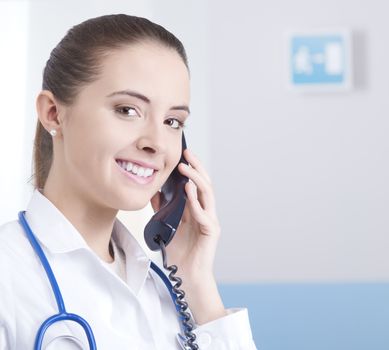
[[194, 245]]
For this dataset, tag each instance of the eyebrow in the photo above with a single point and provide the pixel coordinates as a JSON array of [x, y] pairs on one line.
[[146, 99]]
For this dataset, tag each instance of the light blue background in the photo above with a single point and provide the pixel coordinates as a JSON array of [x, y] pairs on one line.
[[314, 316], [316, 45]]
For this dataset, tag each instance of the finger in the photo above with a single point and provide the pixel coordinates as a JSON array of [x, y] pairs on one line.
[[194, 205], [196, 163], [205, 192]]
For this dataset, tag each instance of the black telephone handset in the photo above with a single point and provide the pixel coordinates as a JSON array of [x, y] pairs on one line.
[[163, 225], [160, 230]]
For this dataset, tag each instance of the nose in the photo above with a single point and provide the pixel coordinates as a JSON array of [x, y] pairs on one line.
[[151, 139]]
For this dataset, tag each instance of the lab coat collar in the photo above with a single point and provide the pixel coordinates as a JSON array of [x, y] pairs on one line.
[[137, 262], [59, 235]]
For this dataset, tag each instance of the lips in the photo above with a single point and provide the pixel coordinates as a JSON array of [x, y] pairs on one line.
[[139, 163], [136, 178]]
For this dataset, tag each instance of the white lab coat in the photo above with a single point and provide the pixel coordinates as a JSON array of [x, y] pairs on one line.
[[137, 315]]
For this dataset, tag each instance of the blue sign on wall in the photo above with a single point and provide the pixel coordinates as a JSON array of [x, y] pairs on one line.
[[320, 60]]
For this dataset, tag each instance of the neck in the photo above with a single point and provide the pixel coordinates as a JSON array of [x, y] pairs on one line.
[[93, 222]]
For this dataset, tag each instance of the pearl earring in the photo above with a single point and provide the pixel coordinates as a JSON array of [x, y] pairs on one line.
[[53, 132]]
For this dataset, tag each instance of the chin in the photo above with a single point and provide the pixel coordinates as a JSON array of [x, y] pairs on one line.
[[133, 205]]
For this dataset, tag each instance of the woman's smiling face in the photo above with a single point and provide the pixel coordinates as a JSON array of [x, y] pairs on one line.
[[132, 112]]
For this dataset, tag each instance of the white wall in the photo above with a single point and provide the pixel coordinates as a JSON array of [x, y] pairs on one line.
[[13, 64], [301, 180]]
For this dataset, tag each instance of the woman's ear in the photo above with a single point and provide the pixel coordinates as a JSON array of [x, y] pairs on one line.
[[48, 109]]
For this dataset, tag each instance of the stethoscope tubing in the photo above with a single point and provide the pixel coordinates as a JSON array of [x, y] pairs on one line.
[[63, 315]]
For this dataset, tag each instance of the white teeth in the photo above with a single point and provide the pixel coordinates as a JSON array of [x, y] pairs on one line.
[[135, 169], [148, 172]]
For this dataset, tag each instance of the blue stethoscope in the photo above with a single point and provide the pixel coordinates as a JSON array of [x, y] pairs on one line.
[[62, 314]]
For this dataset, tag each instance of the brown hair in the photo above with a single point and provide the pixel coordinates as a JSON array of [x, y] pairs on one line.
[[76, 61]]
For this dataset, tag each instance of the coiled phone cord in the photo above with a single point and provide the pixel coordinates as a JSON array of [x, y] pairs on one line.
[[180, 302]]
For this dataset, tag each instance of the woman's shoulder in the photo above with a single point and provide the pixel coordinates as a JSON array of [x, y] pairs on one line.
[[10, 231], [10, 237], [18, 261], [10, 226], [13, 241]]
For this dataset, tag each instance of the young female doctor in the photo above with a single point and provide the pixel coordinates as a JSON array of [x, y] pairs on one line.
[[115, 95]]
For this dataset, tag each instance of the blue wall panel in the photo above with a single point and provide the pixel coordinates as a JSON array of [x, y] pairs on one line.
[[314, 316]]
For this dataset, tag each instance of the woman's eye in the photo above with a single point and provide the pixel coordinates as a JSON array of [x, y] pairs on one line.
[[175, 123], [130, 111], [127, 111]]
